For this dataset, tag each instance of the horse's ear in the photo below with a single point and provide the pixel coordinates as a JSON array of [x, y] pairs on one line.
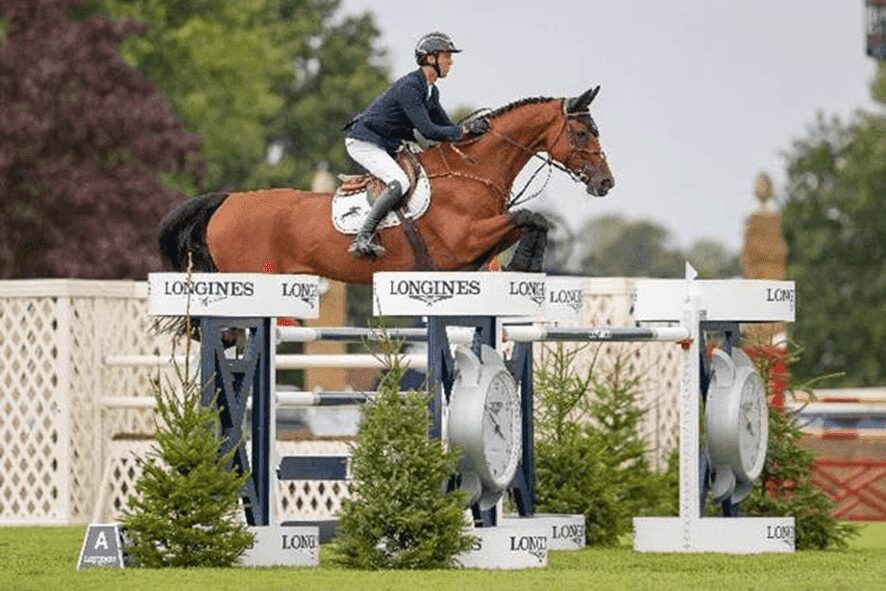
[[581, 103]]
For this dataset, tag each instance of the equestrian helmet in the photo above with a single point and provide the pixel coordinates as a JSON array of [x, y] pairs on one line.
[[433, 43]]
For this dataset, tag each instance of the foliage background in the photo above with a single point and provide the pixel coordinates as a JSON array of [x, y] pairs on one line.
[[86, 147], [208, 95], [834, 222]]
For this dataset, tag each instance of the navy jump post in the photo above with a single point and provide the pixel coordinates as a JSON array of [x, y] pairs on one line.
[[243, 305], [229, 382], [478, 302]]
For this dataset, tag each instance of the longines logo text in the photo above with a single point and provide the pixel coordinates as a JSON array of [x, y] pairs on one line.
[[299, 542], [779, 294], [534, 290], [785, 533], [535, 545], [210, 290], [573, 532], [431, 291], [306, 292], [567, 297]]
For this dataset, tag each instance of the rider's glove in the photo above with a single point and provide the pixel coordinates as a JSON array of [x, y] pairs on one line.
[[475, 127]]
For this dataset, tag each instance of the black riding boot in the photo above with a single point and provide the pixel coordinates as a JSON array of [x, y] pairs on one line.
[[387, 201]]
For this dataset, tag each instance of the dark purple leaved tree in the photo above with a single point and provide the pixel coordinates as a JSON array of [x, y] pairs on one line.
[[85, 146]]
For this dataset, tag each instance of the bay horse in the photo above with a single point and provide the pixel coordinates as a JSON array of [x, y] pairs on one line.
[[468, 221]]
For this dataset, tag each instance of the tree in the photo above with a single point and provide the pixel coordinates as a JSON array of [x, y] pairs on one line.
[[711, 259], [340, 69], [219, 67], [785, 487], [834, 223], [267, 84], [85, 146], [189, 495], [400, 515], [620, 247], [625, 248], [590, 457]]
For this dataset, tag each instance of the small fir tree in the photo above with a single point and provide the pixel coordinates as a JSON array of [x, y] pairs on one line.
[[616, 411], [589, 456], [400, 516], [187, 513], [785, 487]]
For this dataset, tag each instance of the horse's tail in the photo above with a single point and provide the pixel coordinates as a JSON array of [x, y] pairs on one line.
[[183, 231]]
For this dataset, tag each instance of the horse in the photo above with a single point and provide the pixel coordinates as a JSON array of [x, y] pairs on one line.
[[468, 222]]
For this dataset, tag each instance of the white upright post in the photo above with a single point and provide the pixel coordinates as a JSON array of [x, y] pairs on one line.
[[689, 413], [720, 301]]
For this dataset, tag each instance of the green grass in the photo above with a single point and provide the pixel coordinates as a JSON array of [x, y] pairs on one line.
[[44, 558]]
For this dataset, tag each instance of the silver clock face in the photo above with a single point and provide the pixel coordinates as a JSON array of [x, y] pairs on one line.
[[501, 427], [752, 416]]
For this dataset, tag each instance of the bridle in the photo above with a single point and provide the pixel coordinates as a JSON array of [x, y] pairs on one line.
[[578, 149]]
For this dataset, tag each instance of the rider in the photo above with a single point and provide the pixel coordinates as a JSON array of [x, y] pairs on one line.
[[411, 103]]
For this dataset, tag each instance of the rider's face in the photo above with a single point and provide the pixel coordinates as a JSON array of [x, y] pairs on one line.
[[444, 61]]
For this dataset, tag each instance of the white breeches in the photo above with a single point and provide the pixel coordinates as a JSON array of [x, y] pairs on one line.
[[377, 162]]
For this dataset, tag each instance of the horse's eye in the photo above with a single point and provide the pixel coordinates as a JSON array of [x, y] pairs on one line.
[[581, 133]]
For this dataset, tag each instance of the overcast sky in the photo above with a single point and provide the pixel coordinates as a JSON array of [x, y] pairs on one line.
[[697, 97]]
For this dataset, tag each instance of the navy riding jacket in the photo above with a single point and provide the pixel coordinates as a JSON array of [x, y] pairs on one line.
[[404, 107]]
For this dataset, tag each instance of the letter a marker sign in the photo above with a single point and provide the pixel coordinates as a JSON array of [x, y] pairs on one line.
[[102, 547]]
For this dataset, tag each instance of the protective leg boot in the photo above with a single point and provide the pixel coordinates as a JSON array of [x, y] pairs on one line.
[[387, 201]]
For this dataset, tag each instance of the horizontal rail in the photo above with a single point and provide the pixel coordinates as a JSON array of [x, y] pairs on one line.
[[149, 360], [324, 398], [528, 334], [308, 334], [456, 335], [284, 399], [870, 395], [346, 361], [313, 468], [464, 335], [838, 409]]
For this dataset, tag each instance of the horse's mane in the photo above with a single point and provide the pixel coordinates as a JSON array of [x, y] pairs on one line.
[[509, 107]]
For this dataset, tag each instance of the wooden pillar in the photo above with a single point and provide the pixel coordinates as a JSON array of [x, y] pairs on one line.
[[764, 252], [763, 256], [333, 312]]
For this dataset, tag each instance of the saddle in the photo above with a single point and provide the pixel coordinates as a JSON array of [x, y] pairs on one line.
[[357, 183], [353, 200]]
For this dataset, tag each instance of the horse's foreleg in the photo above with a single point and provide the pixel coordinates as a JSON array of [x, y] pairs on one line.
[[530, 253], [491, 236]]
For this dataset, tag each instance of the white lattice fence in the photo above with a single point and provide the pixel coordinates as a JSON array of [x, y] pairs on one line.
[[53, 334], [608, 302], [34, 462], [297, 499]]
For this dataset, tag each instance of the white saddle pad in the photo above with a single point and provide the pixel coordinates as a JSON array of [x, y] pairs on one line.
[[349, 211]]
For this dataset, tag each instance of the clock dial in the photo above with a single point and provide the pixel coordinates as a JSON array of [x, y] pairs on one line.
[[753, 414], [501, 426]]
